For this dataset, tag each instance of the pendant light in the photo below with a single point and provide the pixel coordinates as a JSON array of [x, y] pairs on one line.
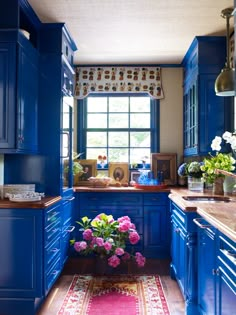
[[224, 84]]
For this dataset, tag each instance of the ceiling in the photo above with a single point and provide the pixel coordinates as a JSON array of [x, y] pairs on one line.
[[134, 31]]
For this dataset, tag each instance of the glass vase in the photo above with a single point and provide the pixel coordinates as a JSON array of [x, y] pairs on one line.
[[195, 184]]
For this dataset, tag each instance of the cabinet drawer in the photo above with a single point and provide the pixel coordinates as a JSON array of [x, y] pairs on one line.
[[111, 199], [52, 231], [52, 252], [227, 253], [52, 215], [131, 211], [52, 274], [155, 199]]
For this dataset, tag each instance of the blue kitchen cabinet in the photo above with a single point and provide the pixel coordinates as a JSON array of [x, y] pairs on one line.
[[156, 225], [67, 228], [216, 271], [226, 275], [207, 272], [18, 93], [148, 211], [205, 114], [184, 255], [30, 257]]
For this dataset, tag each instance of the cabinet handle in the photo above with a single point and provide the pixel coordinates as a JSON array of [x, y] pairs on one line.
[[70, 229], [54, 250], [202, 226], [69, 199]]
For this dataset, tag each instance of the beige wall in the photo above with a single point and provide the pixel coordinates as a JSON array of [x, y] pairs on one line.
[[171, 112]]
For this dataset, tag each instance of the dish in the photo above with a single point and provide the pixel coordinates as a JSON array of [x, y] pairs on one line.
[[37, 198]]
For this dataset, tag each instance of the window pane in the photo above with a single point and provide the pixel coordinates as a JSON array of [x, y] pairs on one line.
[[118, 139], [140, 139], [140, 104], [97, 121], [136, 155], [96, 139], [118, 104], [94, 153], [96, 104], [118, 121], [139, 120], [118, 155]]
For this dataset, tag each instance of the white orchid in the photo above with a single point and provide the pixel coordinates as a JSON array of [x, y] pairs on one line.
[[229, 137]]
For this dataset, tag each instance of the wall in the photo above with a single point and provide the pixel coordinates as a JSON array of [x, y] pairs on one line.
[[171, 112]]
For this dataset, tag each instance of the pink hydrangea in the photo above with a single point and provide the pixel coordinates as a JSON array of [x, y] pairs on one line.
[[107, 246], [99, 241], [124, 218], [114, 261], [88, 234], [119, 251], [79, 246], [134, 237], [124, 226], [140, 259]]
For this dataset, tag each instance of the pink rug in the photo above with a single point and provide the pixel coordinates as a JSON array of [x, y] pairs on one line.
[[115, 295]]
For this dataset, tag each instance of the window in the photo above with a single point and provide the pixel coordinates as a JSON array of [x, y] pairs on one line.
[[123, 128]]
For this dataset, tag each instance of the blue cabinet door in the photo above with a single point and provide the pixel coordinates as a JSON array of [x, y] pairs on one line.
[[27, 115], [21, 247], [206, 269], [7, 95], [155, 231], [18, 96]]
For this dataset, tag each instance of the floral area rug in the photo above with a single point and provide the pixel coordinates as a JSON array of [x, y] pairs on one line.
[[115, 295]]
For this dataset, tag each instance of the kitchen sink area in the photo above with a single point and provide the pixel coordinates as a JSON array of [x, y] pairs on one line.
[[211, 199]]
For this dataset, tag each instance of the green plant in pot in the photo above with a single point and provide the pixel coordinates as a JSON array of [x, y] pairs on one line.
[[77, 168]]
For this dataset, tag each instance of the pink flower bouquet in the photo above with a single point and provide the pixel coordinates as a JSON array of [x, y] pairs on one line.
[[107, 237]]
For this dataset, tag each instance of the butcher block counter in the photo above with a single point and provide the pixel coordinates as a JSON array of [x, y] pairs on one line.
[[41, 204], [221, 215]]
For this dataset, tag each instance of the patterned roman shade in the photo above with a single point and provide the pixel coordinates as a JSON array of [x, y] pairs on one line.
[[114, 79]]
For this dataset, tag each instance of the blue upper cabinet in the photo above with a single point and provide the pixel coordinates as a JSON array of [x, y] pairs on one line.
[[205, 114], [19, 81]]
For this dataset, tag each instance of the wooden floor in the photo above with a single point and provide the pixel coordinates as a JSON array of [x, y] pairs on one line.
[[86, 266]]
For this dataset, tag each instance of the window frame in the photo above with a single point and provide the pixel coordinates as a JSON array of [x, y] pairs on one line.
[[82, 121]]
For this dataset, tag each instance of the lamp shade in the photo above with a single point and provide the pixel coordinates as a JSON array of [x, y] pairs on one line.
[[224, 84]]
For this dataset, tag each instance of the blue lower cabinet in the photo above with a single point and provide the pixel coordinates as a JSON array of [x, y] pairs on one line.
[[207, 273], [226, 276], [184, 255], [216, 271], [148, 211], [30, 257], [67, 227]]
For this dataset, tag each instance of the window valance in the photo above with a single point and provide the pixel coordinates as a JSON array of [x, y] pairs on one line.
[[117, 80]]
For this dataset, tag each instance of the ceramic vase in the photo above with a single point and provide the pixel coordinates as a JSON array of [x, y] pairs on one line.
[[218, 186]]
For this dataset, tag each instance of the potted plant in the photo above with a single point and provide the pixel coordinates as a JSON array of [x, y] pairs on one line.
[[221, 161], [107, 239], [193, 172]]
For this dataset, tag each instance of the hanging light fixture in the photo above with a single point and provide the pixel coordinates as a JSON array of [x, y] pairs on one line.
[[224, 84]]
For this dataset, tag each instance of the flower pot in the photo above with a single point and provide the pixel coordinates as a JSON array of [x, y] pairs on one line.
[[218, 186], [195, 184]]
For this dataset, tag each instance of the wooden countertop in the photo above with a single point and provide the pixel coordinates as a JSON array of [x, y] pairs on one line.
[[41, 204], [110, 189], [220, 215]]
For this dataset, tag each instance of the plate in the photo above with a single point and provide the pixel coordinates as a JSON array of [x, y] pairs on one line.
[[151, 187], [37, 198]]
